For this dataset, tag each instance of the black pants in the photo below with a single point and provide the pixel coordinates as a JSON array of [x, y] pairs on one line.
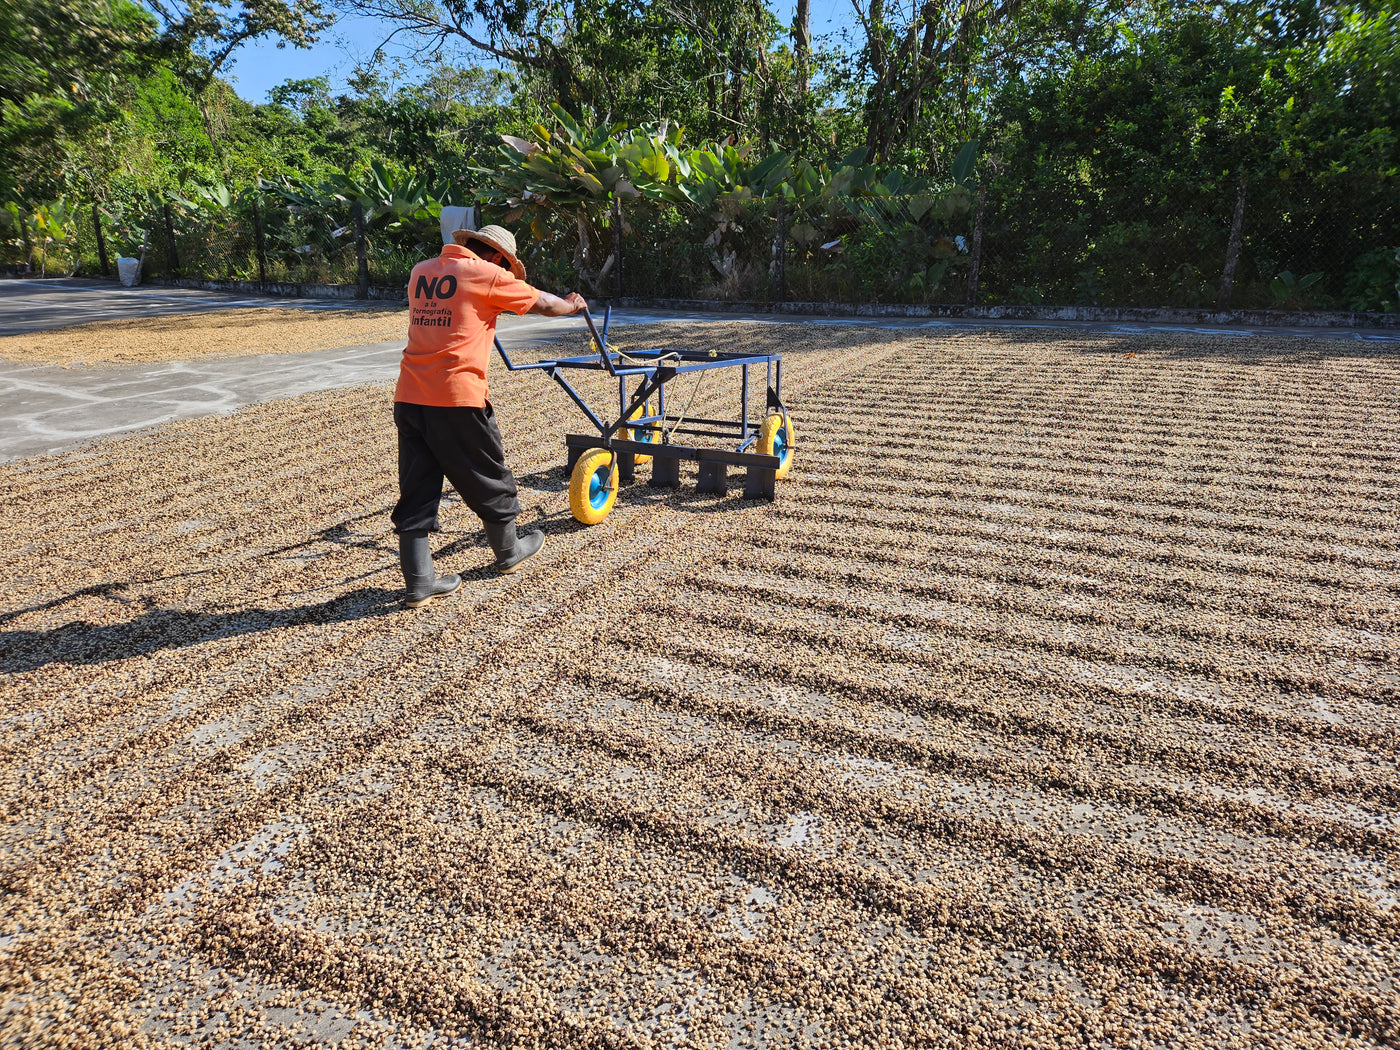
[[461, 444]]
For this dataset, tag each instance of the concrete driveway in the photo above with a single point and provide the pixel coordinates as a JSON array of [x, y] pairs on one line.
[[48, 408], [33, 305]]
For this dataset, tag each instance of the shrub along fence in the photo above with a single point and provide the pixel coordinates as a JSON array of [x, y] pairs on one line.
[[617, 211]]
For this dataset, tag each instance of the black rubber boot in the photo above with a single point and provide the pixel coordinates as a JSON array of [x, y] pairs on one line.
[[418, 574], [512, 548]]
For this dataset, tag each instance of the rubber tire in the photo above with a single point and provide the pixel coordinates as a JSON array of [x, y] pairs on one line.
[[641, 459], [768, 436], [579, 486]]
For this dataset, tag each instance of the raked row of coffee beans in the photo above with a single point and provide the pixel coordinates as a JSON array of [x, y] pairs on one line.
[[1053, 703]]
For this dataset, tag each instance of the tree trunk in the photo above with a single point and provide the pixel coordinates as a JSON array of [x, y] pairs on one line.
[[361, 254], [101, 244], [172, 259], [582, 253], [617, 241], [209, 126], [802, 48], [778, 266], [974, 272], [1232, 249], [28, 245]]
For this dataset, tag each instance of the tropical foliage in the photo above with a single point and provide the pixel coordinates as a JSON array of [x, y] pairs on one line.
[[1065, 150]]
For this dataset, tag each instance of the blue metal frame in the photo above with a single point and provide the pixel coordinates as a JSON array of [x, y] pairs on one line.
[[656, 368]]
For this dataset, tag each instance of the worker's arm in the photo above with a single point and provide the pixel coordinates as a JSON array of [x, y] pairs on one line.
[[553, 306]]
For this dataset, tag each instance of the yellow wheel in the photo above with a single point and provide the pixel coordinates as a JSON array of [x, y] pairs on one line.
[[775, 439], [593, 486], [640, 433]]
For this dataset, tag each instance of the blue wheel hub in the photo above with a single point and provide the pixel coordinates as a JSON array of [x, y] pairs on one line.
[[780, 445], [598, 489]]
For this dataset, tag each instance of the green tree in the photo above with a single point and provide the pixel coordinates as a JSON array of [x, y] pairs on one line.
[[922, 74], [302, 96], [70, 51], [707, 63], [1125, 166], [438, 124], [201, 36]]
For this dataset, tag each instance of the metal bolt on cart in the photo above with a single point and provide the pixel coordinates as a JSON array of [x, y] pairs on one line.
[[645, 428]]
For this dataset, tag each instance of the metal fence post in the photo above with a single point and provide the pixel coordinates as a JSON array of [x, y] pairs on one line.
[[259, 242], [101, 244], [361, 258], [974, 272]]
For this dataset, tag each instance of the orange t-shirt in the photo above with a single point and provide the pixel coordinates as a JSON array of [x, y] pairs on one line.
[[453, 303]]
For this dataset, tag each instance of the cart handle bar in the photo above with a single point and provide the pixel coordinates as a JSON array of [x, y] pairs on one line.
[[599, 340]]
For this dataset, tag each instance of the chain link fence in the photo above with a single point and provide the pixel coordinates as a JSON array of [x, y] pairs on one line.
[[255, 237], [1261, 242], [1286, 250], [1235, 242]]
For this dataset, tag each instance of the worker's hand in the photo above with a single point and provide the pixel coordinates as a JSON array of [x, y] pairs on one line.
[[553, 306]]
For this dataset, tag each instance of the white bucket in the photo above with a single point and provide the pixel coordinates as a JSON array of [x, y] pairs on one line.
[[456, 218], [129, 271]]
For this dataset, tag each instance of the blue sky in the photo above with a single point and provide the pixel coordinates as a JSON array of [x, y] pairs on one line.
[[263, 66]]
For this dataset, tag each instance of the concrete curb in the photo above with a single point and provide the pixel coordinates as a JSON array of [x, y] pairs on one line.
[[279, 289], [1100, 314]]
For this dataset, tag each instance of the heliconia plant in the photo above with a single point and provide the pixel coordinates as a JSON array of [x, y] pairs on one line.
[[577, 170], [387, 198], [565, 183], [41, 231]]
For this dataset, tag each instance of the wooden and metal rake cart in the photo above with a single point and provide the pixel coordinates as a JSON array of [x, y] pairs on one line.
[[646, 427]]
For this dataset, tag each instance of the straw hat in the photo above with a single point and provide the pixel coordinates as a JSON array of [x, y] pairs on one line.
[[496, 237]]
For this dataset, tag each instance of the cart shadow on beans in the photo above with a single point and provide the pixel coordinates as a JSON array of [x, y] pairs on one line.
[[159, 628], [637, 493], [81, 642]]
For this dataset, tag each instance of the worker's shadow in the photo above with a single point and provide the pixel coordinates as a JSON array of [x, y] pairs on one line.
[[157, 627], [81, 643], [160, 627], [551, 479]]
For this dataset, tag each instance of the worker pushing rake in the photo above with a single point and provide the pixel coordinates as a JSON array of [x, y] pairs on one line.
[[446, 423]]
